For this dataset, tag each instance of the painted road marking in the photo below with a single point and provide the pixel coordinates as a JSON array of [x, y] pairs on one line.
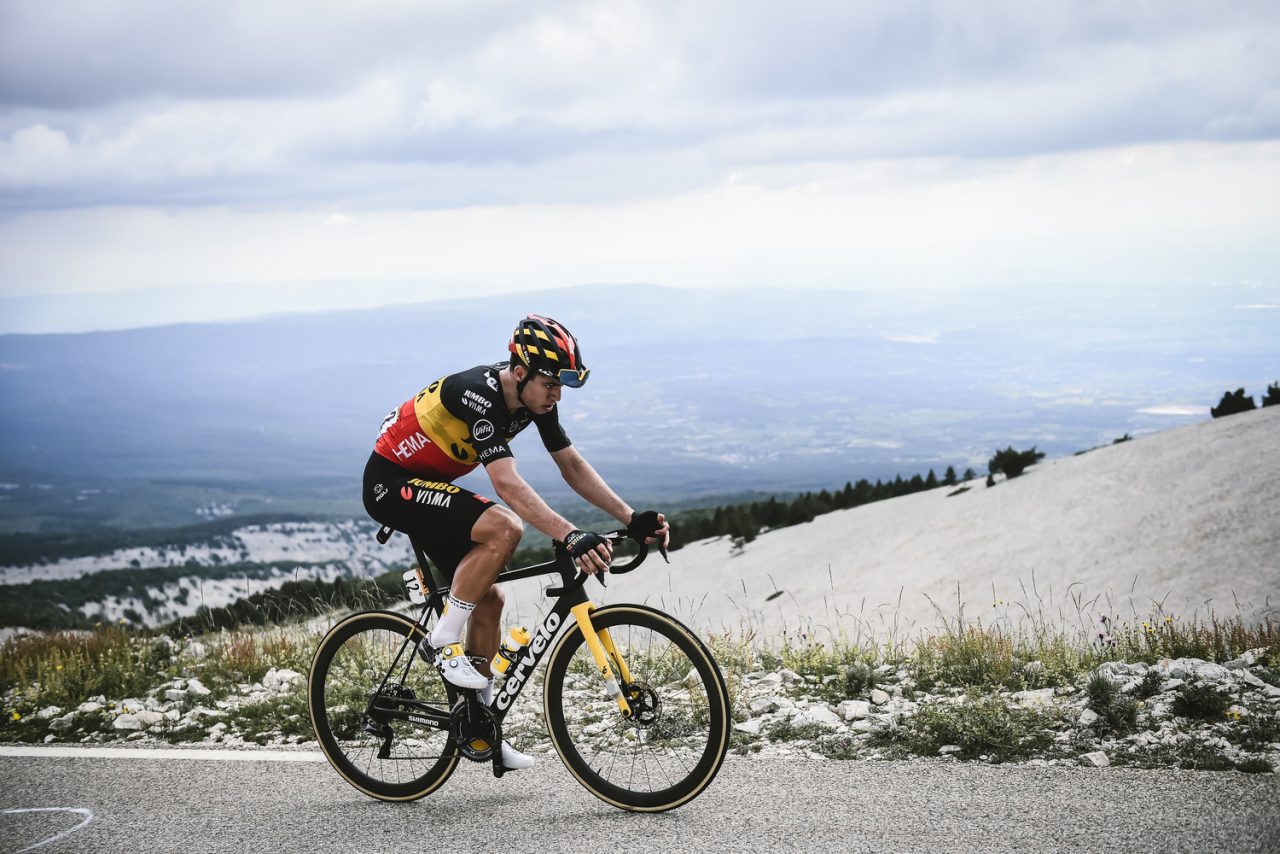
[[80, 811], [195, 754]]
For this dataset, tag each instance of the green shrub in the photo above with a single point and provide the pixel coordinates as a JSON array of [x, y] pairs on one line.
[[979, 726], [1202, 701], [1118, 712], [785, 730], [1256, 731], [66, 668], [974, 656], [1150, 685]]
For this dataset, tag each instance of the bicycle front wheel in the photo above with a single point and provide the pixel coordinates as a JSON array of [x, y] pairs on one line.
[[675, 741], [362, 658]]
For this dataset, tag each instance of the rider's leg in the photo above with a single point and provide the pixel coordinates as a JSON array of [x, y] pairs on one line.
[[484, 629], [494, 537]]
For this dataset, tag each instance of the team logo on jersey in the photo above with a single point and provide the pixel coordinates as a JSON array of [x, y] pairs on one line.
[[490, 381], [379, 492], [389, 421], [474, 401], [406, 493], [483, 430]]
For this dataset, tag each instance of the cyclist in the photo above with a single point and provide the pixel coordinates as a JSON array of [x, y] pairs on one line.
[[464, 420]]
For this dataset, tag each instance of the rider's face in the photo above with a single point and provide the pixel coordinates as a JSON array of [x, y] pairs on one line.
[[542, 394]]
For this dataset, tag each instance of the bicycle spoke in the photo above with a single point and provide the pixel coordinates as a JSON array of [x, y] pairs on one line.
[[353, 662], [664, 743]]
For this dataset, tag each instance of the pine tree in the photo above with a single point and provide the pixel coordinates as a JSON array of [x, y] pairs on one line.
[[1233, 403], [949, 477], [1012, 463]]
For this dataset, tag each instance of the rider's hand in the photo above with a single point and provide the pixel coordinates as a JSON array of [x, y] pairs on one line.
[[591, 552], [649, 527]]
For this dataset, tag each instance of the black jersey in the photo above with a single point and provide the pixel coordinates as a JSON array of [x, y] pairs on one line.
[[459, 422]]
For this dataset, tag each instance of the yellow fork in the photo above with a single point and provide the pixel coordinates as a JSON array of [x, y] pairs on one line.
[[602, 649]]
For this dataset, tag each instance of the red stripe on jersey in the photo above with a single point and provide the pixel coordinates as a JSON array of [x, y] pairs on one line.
[[403, 443]]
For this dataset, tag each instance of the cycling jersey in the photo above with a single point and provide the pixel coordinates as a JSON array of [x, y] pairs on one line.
[[457, 423]]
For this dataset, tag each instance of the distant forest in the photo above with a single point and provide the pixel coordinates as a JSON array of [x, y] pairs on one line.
[[743, 522]]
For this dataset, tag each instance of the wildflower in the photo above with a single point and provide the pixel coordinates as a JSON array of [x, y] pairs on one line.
[[17, 717]]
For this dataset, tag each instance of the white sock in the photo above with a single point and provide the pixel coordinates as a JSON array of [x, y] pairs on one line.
[[452, 622]]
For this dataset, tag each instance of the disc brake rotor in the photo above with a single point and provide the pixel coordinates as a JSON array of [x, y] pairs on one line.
[[646, 705]]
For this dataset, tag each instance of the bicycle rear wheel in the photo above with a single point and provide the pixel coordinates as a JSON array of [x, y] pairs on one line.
[[346, 671], [675, 741]]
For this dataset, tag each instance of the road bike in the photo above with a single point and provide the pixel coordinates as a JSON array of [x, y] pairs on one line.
[[633, 700]]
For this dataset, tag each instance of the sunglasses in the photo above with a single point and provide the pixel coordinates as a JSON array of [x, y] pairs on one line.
[[573, 378]]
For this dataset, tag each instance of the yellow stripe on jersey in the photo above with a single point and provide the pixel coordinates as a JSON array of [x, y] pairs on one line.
[[447, 432]]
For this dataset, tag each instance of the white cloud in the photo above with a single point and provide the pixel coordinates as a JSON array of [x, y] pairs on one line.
[[1160, 214], [240, 103], [711, 143], [1175, 410], [917, 338]]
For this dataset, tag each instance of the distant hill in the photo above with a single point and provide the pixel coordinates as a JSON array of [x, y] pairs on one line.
[[1187, 520], [693, 392]]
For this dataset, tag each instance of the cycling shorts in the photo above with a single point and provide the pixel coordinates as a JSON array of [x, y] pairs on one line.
[[437, 514]]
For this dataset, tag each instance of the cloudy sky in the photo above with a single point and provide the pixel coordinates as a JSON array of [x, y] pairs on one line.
[[404, 147]]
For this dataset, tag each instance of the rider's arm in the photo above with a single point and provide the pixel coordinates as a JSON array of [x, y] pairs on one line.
[[517, 494], [585, 481]]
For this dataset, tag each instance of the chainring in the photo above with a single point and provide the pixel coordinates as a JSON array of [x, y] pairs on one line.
[[475, 737]]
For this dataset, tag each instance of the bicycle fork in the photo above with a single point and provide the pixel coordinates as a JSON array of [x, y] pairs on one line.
[[603, 651]]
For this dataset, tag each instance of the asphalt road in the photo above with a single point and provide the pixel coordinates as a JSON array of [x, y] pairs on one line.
[[179, 804]]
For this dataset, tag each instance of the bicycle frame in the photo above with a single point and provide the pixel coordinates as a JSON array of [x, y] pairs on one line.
[[572, 601]]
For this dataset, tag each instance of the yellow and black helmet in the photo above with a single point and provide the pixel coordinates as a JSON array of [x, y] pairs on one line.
[[543, 345]]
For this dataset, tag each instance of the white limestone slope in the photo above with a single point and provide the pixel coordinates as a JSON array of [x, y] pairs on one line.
[[1189, 518]]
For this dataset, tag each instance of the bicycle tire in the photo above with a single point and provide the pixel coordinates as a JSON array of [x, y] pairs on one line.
[[684, 744], [346, 670]]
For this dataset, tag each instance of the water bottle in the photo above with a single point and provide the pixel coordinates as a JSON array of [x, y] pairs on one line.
[[516, 640]]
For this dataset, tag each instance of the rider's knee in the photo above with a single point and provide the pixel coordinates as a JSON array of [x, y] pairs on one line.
[[501, 526]]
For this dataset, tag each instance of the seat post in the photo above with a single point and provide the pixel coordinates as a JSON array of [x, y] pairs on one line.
[[435, 580]]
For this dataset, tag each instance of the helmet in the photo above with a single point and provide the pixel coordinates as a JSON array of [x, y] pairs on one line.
[[543, 345]]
